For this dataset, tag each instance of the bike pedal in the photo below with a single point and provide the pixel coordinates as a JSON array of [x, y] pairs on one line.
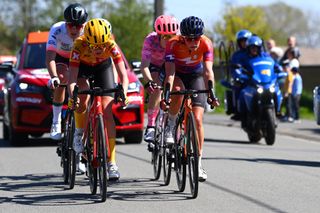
[[58, 151], [150, 147]]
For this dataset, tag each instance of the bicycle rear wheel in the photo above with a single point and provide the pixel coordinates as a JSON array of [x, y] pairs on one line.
[[91, 170], [156, 158], [180, 157], [193, 155], [69, 165], [101, 145]]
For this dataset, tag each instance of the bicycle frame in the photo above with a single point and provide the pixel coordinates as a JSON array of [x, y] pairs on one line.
[[95, 109], [186, 108]]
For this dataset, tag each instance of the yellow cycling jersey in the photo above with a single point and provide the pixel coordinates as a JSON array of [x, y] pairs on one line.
[[82, 53]]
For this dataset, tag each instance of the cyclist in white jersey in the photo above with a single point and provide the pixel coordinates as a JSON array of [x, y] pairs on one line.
[[59, 44]]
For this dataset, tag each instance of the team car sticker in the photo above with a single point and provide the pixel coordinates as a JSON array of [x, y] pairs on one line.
[[28, 100]]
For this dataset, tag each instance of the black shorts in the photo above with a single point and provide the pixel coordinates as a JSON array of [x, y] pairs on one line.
[[102, 75], [61, 60], [195, 82], [159, 70]]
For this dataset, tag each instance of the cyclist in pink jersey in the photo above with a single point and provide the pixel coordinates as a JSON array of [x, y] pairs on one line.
[[59, 44], [152, 66]]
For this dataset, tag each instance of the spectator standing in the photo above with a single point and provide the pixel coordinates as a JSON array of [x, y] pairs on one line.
[[292, 46], [275, 52], [291, 63], [297, 86]]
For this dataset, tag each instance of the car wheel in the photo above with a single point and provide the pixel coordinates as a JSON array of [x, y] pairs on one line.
[[133, 137], [17, 138]]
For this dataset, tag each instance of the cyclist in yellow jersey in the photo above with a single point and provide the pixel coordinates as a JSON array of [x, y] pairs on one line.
[[94, 54]]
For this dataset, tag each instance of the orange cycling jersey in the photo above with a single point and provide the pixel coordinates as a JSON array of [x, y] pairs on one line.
[[82, 53], [187, 61]]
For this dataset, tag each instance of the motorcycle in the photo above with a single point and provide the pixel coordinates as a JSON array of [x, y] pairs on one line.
[[259, 99]]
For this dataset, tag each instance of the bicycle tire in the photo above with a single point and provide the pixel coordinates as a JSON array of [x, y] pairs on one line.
[[64, 150], [180, 157], [64, 159], [101, 145], [193, 155], [68, 154], [166, 155], [71, 152], [156, 158], [91, 171]]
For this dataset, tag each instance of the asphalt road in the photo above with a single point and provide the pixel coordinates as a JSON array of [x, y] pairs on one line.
[[242, 177]]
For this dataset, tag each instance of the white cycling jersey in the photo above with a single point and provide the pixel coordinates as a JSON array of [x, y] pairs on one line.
[[59, 40]]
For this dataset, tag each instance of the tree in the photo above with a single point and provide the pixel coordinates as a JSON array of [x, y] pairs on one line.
[[131, 21], [237, 18], [285, 21]]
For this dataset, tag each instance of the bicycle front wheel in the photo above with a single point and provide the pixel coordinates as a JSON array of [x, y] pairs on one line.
[[91, 170], [102, 170], [180, 157], [69, 154], [192, 155], [156, 158]]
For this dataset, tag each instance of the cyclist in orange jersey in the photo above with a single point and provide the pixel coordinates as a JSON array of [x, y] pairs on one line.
[[94, 54], [189, 65]]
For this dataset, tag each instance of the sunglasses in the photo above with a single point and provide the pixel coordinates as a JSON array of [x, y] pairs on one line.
[[97, 46], [192, 39], [166, 37], [70, 25]]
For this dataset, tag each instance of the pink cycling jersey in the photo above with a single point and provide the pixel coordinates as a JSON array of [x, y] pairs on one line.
[[152, 50], [59, 40]]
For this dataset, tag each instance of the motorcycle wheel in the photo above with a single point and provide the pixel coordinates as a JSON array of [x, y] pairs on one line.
[[253, 131], [270, 131]]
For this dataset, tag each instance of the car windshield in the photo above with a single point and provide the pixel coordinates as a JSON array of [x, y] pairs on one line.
[[35, 56]]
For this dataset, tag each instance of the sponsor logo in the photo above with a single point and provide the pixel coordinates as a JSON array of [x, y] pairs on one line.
[[115, 52], [51, 42], [262, 63], [28, 100], [266, 72], [75, 56], [188, 60], [135, 98]]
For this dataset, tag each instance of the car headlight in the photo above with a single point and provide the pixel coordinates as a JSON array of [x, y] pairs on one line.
[[24, 87], [134, 87]]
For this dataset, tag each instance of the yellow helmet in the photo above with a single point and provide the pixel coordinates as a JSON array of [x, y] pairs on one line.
[[97, 31]]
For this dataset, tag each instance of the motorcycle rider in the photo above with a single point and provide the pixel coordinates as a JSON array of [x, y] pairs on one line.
[[254, 50], [237, 57]]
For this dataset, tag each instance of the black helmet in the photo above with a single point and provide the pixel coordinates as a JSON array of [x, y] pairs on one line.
[[75, 14], [191, 27]]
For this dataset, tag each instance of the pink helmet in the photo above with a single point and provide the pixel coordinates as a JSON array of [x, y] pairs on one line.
[[166, 25]]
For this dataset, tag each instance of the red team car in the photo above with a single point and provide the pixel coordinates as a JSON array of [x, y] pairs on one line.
[[28, 109]]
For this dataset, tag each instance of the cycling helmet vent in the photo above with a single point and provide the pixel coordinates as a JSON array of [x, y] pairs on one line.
[[166, 25], [97, 31]]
